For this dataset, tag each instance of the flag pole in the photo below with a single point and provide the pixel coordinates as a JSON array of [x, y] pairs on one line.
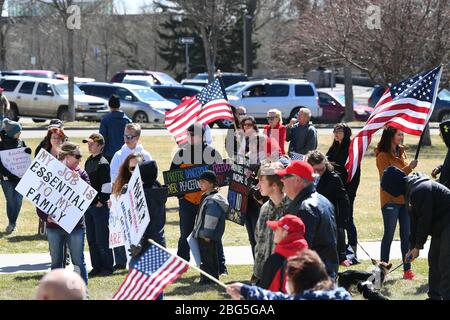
[[191, 265], [420, 143]]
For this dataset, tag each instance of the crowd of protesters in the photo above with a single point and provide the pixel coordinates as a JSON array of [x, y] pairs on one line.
[[299, 217]]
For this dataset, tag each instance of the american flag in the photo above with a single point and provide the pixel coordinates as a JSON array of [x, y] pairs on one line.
[[406, 106], [208, 106], [154, 270]]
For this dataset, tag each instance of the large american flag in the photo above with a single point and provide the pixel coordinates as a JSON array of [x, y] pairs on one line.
[[154, 270], [406, 105], [207, 106]]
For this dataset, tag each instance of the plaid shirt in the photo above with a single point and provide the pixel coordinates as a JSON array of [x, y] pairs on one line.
[[264, 235]]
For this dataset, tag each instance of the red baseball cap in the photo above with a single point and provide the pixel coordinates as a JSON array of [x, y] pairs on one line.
[[290, 223], [300, 168]]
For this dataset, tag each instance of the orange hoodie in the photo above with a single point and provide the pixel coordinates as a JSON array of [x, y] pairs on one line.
[[385, 160]]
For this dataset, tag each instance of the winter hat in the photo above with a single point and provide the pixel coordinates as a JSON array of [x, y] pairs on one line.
[[114, 101], [11, 127], [393, 181], [149, 172], [55, 123], [209, 175]]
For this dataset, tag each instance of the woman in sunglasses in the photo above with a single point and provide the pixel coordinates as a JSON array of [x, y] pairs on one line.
[[70, 156], [126, 171], [275, 130]]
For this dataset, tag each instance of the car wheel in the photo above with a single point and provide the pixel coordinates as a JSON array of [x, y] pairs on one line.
[[63, 114], [224, 124], [12, 113], [38, 120], [140, 117], [444, 116]]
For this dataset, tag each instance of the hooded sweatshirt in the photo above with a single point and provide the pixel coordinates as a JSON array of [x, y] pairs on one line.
[[122, 154], [156, 198], [112, 128], [210, 219], [274, 278], [429, 205]]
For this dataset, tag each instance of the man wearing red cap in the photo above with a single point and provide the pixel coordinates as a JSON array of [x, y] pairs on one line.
[[315, 210], [289, 237]]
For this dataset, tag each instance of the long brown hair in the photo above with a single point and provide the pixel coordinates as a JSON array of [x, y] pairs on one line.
[[124, 175], [386, 139], [307, 272], [48, 137]]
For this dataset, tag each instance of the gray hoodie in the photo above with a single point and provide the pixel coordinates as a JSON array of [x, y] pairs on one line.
[[210, 219]]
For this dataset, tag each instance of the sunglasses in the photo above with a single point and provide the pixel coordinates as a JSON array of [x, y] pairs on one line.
[[77, 156], [271, 118], [248, 124], [241, 113], [131, 168], [338, 131], [129, 137]]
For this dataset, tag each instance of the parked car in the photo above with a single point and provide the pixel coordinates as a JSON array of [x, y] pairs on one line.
[[158, 77], [441, 109], [288, 96], [37, 73], [176, 93], [42, 98], [333, 107], [228, 78], [141, 104]]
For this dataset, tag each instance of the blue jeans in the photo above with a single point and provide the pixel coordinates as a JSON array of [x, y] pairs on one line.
[[187, 212], [13, 200], [97, 234], [391, 213], [57, 237]]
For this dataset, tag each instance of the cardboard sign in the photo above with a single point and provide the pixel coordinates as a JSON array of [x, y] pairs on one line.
[[116, 238], [238, 190], [132, 212], [56, 190], [16, 161], [185, 180]]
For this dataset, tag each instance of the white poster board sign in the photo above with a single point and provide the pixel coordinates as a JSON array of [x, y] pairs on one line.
[[116, 238], [132, 211], [56, 190], [16, 161]]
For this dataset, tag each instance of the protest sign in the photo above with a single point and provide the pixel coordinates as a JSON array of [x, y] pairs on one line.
[[56, 190], [185, 180], [16, 161], [116, 238], [132, 212], [238, 190]]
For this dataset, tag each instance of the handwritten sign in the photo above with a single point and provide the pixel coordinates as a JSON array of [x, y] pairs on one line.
[[56, 190], [185, 180], [116, 237], [132, 212], [16, 161]]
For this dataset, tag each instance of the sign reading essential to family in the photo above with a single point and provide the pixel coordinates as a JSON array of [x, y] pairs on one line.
[[185, 180], [16, 161], [238, 190], [132, 212], [56, 190]]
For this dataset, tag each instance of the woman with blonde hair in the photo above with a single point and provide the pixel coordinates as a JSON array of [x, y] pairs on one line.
[[275, 131]]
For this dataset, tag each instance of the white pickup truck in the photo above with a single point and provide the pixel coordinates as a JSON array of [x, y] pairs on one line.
[[42, 98]]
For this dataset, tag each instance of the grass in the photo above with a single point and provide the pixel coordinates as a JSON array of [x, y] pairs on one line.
[[23, 286], [367, 205]]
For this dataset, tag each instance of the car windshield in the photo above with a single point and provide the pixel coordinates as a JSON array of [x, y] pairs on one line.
[[201, 76], [234, 89], [444, 95], [147, 95], [63, 89], [165, 78], [341, 100], [145, 83]]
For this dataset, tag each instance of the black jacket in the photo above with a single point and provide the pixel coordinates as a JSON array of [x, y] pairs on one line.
[[429, 207], [338, 155], [99, 174], [8, 143], [444, 177], [156, 198], [317, 215], [332, 188]]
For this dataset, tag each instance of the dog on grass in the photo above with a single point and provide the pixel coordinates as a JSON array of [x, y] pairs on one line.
[[368, 283]]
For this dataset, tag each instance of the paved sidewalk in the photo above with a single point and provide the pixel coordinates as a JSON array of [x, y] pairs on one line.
[[40, 262]]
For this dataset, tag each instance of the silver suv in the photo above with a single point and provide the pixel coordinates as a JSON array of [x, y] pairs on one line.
[[288, 96], [42, 98]]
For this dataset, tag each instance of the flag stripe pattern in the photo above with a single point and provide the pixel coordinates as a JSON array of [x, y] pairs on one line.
[[406, 105], [206, 107], [154, 270]]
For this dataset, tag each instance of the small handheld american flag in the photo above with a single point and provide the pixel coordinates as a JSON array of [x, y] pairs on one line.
[[154, 270]]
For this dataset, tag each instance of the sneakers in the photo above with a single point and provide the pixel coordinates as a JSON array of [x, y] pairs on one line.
[[119, 267], [94, 273], [409, 275], [10, 228]]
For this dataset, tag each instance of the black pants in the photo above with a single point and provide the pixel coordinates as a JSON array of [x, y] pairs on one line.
[[251, 219], [341, 248], [439, 266], [208, 255]]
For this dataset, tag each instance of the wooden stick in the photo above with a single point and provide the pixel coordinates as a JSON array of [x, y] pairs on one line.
[[191, 265]]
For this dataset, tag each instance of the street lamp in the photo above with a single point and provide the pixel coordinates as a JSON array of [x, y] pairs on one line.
[[186, 41]]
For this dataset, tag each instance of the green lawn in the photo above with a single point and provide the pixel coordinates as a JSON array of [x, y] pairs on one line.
[[23, 286]]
